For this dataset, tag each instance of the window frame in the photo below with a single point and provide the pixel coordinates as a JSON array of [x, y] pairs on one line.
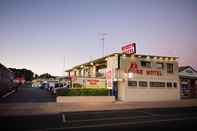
[[132, 85], [145, 66], [157, 63], [171, 69], [151, 84], [169, 85], [142, 85], [175, 84]]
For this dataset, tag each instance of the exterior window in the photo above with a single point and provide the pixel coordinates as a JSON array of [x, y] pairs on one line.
[[143, 84], [169, 84], [146, 64], [159, 65], [157, 84], [132, 83], [170, 68], [175, 85]]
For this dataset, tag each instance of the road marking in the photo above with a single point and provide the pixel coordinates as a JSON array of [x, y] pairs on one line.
[[111, 111], [122, 124], [63, 118], [112, 118], [7, 94], [149, 113]]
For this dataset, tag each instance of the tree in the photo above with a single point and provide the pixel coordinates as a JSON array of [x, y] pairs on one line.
[[46, 76], [27, 74]]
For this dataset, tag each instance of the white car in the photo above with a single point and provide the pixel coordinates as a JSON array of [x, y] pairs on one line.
[[58, 87]]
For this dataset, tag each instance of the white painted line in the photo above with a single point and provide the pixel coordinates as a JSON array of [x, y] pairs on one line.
[[149, 113], [112, 118], [122, 124], [7, 94], [63, 118]]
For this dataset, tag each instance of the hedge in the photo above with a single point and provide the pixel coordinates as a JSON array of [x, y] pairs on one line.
[[86, 92]]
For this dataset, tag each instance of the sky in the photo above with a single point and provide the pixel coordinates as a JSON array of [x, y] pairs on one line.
[[55, 35]]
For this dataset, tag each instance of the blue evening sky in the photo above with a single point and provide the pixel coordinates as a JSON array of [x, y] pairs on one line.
[[39, 34]]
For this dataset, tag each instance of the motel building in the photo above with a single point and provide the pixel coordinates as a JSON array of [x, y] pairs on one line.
[[130, 76], [188, 82]]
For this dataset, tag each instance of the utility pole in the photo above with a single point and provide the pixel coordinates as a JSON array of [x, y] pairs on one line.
[[103, 42], [63, 66]]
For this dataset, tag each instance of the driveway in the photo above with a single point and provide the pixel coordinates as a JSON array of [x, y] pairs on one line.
[[29, 94]]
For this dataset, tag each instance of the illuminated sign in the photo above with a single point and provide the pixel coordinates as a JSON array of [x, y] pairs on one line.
[[130, 48], [153, 72], [73, 77], [93, 82], [109, 77], [133, 68]]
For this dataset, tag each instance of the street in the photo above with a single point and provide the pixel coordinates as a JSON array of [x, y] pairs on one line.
[[166, 118], [29, 94], [37, 110]]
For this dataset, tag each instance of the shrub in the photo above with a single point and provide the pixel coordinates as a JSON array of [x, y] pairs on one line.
[[61, 91], [77, 85], [87, 92]]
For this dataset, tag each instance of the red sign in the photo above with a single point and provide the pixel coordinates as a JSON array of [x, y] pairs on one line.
[[109, 73], [73, 77], [93, 82], [153, 72], [130, 48], [109, 77], [134, 69]]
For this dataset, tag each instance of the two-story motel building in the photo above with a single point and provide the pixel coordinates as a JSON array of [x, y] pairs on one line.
[[133, 77]]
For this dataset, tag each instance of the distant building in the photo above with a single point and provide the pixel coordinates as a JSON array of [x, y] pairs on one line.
[[188, 82]]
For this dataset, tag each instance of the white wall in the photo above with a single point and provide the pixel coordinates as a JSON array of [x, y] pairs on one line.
[[148, 94]]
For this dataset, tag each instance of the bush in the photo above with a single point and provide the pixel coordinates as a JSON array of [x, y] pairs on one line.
[[61, 91], [87, 92], [77, 85]]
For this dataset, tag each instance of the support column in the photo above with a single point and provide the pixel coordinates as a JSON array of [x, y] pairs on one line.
[[93, 72]]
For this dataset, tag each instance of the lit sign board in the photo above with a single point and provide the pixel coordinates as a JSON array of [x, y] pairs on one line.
[[93, 82], [109, 77], [133, 68], [130, 48]]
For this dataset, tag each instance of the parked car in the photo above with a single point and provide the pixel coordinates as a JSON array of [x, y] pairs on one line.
[[52, 84], [59, 86], [44, 86]]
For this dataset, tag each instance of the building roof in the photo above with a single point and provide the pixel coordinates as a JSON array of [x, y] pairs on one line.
[[103, 59], [182, 68]]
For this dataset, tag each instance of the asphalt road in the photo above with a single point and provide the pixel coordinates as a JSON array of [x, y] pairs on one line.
[[29, 94], [166, 118]]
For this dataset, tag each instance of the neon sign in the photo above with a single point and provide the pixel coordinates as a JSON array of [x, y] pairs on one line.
[[130, 48]]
